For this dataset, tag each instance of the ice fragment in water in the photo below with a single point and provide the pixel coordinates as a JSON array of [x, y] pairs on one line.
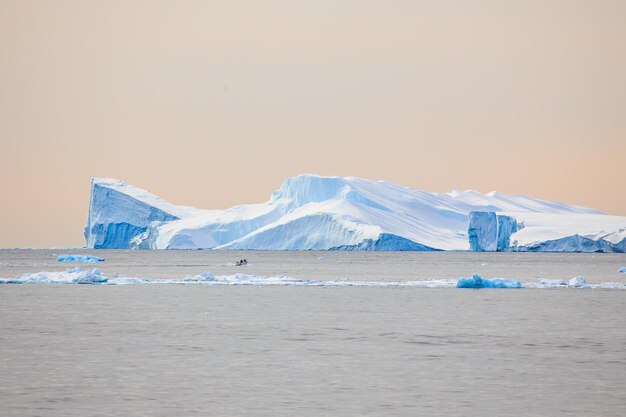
[[476, 281]]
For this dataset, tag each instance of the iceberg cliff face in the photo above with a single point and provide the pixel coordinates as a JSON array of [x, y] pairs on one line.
[[483, 231], [118, 212], [489, 232], [507, 225], [315, 212]]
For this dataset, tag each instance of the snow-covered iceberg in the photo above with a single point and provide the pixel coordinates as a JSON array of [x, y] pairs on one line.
[[346, 213]]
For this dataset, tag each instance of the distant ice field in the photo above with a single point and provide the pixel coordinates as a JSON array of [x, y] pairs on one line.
[[313, 268]]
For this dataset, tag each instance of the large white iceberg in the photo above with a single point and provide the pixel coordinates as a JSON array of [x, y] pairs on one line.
[[324, 213]]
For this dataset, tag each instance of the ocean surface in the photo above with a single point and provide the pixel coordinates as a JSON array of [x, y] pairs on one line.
[[233, 350]]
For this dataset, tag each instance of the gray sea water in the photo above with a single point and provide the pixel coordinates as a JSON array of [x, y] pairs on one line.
[[176, 350]]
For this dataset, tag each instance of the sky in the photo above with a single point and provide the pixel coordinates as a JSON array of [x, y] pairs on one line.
[[215, 103]]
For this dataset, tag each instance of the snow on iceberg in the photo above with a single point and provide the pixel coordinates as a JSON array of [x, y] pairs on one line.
[[315, 212], [476, 281], [79, 258]]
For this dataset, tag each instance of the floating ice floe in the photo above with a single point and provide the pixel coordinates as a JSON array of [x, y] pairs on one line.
[[577, 282], [622, 270], [94, 276], [476, 281], [69, 276], [78, 276], [79, 258]]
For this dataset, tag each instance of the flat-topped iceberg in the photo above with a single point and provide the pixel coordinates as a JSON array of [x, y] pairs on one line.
[[348, 213]]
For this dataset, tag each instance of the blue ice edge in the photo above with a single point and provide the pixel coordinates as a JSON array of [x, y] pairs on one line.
[[476, 281], [79, 258], [95, 277]]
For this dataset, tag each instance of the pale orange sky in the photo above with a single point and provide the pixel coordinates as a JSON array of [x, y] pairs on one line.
[[215, 103]]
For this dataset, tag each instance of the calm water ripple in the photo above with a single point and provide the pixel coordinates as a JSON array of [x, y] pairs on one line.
[[285, 351]]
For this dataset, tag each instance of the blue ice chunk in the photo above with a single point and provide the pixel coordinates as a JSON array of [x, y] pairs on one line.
[[622, 270], [476, 281], [79, 258]]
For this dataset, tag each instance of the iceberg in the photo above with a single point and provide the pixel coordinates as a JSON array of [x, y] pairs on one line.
[[311, 212], [79, 258], [476, 281], [622, 270]]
